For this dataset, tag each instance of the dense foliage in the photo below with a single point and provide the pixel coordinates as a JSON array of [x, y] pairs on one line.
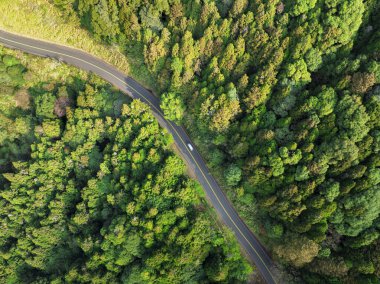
[[90, 192], [283, 97]]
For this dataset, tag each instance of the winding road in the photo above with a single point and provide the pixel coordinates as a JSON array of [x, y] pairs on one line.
[[254, 250]]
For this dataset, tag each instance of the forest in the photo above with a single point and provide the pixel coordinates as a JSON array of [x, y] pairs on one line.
[[91, 190], [283, 99]]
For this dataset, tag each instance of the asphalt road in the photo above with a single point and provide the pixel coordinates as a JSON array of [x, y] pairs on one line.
[[215, 195]]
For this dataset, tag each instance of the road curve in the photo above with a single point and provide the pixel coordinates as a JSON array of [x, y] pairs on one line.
[[216, 196]]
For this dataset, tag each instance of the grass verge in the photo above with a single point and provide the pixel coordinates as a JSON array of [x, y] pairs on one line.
[[40, 19]]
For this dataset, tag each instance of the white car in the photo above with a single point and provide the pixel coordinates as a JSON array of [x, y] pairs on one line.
[[190, 146]]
